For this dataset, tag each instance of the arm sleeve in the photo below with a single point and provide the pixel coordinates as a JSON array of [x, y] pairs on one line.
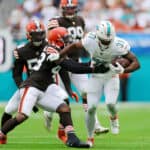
[[17, 72], [66, 80], [72, 66]]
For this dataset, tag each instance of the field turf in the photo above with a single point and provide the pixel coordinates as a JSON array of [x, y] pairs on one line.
[[134, 130]]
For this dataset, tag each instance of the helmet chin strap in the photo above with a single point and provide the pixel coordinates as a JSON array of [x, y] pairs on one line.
[[37, 43]]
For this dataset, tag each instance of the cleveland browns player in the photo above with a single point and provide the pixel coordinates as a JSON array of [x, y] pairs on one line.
[[25, 57], [76, 26]]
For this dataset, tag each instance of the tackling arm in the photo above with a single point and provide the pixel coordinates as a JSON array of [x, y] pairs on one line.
[[71, 48], [66, 80], [75, 67]]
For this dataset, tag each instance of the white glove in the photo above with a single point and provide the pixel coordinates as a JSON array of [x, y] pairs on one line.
[[53, 57], [116, 69]]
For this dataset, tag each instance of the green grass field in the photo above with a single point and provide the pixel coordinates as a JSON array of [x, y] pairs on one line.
[[134, 130]]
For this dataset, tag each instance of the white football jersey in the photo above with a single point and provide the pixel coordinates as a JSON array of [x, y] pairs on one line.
[[117, 48]]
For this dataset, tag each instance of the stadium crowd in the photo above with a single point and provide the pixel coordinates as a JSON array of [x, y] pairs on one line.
[[126, 15]]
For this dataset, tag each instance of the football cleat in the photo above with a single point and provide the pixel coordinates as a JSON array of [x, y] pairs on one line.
[[62, 135], [100, 130], [48, 120], [3, 138], [90, 141], [73, 141], [114, 126]]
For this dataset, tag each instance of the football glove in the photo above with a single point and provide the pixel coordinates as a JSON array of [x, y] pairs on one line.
[[53, 57], [118, 69]]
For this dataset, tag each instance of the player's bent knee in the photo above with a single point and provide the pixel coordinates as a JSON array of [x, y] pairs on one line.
[[21, 117], [63, 108]]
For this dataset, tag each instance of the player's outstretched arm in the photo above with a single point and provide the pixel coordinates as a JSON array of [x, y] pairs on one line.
[[71, 48]]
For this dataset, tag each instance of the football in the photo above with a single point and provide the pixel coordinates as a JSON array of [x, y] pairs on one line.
[[122, 61]]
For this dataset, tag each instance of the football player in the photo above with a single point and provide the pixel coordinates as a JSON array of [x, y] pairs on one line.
[[40, 89], [25, 57], [103, 46], [76, 26]]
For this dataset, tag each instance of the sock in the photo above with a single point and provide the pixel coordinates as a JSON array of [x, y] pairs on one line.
[[69, 129], [112, 110], [9, 125], [61, 127], [90, 121], [97, 122], [65, 119], [85, 105], [5, 117]]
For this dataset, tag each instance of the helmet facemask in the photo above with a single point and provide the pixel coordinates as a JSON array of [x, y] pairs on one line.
[[37, 38], [69, 8], [64, 41], [69, 11]]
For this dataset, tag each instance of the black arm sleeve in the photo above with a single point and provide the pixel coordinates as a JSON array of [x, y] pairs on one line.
[[17, 71], [66, 80], [75, 67]]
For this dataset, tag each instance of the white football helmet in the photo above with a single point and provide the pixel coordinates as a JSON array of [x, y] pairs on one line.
[[105, 33]]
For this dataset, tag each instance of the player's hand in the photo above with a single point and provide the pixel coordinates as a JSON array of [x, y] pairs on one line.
[[53, 24], [75, 96], [53, 57], [118, 69]]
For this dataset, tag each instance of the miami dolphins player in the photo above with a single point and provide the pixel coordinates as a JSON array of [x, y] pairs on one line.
[[103, 46]]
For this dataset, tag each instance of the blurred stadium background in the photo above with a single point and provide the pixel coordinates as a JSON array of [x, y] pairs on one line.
[[132, 21]]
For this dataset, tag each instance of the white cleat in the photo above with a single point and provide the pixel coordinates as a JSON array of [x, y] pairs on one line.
[[114, 126], [48, 120], [100, 130]]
